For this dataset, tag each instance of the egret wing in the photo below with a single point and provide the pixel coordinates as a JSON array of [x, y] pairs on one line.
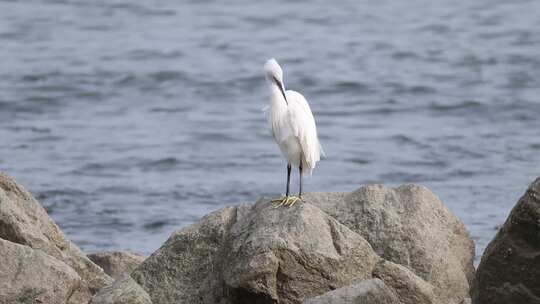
[[303, 127]]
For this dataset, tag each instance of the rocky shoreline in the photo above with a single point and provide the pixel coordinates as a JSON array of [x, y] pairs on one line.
[[373, 245]]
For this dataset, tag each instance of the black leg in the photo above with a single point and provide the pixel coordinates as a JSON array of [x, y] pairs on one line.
[[288, 178], [300, 169]]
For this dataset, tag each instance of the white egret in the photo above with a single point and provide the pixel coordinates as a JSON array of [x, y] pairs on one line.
[[293, 127]]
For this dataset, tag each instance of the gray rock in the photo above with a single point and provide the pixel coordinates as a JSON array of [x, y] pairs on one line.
[[510, 268], [259, 254], [410, 288], [24, 221], [187, 261], [29, 276], [256, 254], [116, 263], [409, 226], [123, 291], [372, 291], [288, 254]]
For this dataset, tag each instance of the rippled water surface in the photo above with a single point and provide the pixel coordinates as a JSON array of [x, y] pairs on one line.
[[131, 119]]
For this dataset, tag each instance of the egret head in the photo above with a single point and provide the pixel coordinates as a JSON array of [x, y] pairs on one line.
[[274, 75]]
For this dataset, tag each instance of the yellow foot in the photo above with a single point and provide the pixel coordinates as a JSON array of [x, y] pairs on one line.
[[286, 201], [295, 200]]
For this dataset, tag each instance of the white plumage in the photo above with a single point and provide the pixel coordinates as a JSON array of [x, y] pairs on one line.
[[295, 132], [292, 124]]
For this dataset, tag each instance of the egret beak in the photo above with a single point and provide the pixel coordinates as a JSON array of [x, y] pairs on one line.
[[280, 86]]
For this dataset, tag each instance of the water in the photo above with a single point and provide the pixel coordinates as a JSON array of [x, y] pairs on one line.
[[128, 121]]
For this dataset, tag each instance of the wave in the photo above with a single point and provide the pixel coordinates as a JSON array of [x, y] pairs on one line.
[[467, 104]]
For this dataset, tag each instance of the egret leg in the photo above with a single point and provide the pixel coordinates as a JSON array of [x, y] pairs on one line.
[[300, 170], [286, 200], [299, 198], [288, 179]]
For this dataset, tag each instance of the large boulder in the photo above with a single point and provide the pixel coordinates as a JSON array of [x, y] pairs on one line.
[[509, 271], [286, 255], [260, 254], [409, 226], [31, 276], [372, 291], [124, 290], [256, 254], [24, 221], [116, 263]]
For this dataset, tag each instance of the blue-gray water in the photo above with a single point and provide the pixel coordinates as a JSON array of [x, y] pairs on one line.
[[129, 119]]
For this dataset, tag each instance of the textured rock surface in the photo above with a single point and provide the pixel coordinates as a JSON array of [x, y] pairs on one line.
[[24, 221], [123, 291], [187, 261], [31, 276], [372, 291], [510, 268], [116, 263], [410, 288], [257, 254], [260, 254], [409, 226], [289, 254]]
